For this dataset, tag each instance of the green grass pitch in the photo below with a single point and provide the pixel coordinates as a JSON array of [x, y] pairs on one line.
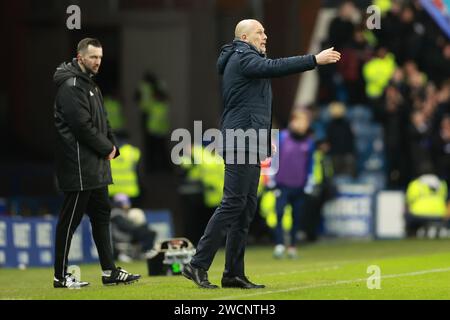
[[410, 269]]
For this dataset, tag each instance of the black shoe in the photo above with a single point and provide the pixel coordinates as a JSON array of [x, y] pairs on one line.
[[69, 282], [119, 276], [198, 275], [240, 282]]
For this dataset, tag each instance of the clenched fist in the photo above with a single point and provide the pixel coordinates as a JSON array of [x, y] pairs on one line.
[[328, 56]]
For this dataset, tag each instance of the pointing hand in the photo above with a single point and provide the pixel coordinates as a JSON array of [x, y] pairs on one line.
[[328, 56]]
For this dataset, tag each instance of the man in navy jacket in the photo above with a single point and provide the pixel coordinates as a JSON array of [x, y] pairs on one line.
[[247, 97]]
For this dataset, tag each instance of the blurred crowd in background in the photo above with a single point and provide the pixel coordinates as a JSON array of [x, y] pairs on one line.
[[401, 72]]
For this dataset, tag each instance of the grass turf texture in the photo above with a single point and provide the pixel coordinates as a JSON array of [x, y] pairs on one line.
[[410, 269]]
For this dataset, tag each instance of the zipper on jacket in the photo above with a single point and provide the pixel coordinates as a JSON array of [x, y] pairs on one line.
[[79, 166]]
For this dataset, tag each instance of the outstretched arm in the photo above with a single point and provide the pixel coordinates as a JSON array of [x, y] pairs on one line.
[[255, 66]]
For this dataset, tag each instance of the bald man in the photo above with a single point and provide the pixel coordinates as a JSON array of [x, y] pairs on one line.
[[247, 97]]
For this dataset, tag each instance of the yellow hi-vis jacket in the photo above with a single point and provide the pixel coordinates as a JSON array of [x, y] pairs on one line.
[[114, 110], [213, 170], [377, 72], [157, 111], [426, 197], [124, 172], [383, 5], [322, 168], [268, 211], [208, 168]]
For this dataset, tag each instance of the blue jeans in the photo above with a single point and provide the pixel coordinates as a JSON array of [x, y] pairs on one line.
[[296, 198]]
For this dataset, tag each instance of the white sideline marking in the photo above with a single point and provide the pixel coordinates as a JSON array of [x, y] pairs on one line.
[[329, 284], [330, 268]]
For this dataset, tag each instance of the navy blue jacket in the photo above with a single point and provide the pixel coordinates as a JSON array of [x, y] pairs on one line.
[[247, 92]]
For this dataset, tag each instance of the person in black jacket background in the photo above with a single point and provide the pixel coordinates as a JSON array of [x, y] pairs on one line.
[[84, 146], [342, 140], [247, 97]]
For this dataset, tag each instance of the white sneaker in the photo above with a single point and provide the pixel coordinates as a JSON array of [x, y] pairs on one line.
[[70, 282], [279, 250], [292, 253]]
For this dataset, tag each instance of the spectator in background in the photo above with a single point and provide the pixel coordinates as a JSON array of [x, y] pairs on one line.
[[426, 198], [443, 104], [377, 72], [125, 170], [394, 117], [419, 141], [354, 55], [398, 81], [389, 35], [129, 227], [340, 33], [153, 101], [410, 33], [437, 60], [341, 28], [441, 150], [341, 140], [402, 32], [294, 178], [204, 173], [416, 82], [322, 191], [114, 109]]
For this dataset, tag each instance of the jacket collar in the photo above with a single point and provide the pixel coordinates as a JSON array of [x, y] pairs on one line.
[[86, 75], [246, 45]]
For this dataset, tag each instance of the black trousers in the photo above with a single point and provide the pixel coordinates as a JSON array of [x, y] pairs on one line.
[[231, 220], [96, 204]]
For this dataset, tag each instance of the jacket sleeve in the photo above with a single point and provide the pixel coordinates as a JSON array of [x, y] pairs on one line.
[[75, 107], [112, 138], [110, 133], [255, 66]]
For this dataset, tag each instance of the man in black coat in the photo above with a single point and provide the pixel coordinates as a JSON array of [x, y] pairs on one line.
[[247, 97], [84, 146]]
